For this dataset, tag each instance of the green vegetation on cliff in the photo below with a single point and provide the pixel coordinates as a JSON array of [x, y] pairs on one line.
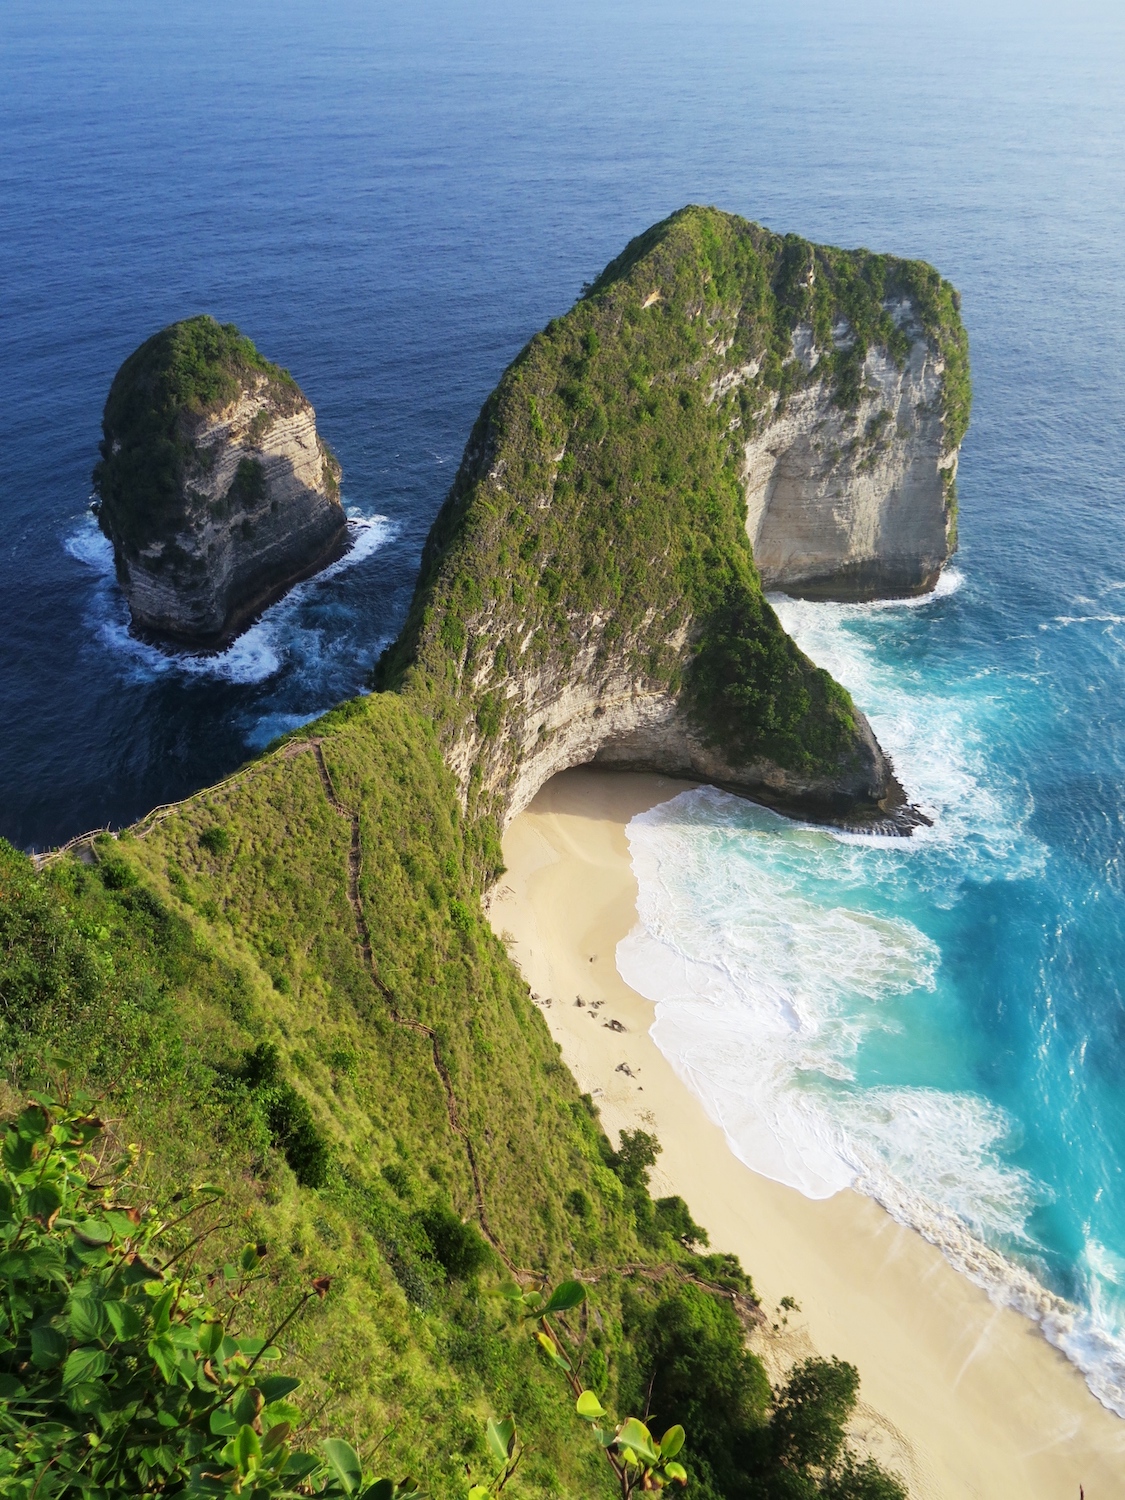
[[284, 987], [184, 372], [600, 497]]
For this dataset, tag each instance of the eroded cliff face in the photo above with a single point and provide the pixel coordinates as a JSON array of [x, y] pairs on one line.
[[856, 502], [217, 500], [589, 593], [595, 716]]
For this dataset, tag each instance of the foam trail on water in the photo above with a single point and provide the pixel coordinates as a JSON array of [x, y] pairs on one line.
[[257, 654], [776, 952]]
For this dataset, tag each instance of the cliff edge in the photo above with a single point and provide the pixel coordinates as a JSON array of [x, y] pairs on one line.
[[589, 592], [850, 472], [214, 486]]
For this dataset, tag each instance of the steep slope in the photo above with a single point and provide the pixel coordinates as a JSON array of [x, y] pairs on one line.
[[324, 902], [588, 591], [284, 987], [215, 488]]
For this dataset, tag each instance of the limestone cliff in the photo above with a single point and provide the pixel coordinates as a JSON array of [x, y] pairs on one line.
[[213, 485], [856, 500], [588, 591]]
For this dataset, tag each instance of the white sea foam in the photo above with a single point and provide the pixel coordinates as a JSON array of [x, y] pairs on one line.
[[257, 654], [939, 737], [773, 951]]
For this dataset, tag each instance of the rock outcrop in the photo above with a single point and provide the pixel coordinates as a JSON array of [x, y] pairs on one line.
[[588, 592], [856, 502], [214, 486]]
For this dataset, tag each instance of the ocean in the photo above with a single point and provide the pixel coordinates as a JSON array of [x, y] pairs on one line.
[[390, 201]]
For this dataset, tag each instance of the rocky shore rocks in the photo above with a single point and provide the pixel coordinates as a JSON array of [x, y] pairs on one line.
[[214, 486]]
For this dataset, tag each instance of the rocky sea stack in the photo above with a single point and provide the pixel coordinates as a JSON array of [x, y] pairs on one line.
[[214, 486], [724, 407]]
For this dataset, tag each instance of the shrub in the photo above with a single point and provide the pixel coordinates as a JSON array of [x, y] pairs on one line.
[[119, 1374], [287, 1115], [216, 840], [457, 1246], [635, 1158], [674, 1217]]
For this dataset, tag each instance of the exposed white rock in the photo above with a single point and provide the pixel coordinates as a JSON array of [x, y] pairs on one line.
[[259, 510], [855, 503], [605, 717]]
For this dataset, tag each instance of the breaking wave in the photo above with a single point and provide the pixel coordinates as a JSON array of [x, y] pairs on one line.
[[796, 976]]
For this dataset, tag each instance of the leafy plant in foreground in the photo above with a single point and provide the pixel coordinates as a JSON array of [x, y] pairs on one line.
[[637, 1459], [122, 1370]]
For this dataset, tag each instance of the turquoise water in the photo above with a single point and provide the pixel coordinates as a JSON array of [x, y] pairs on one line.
[[934, 1021], [391, 200]]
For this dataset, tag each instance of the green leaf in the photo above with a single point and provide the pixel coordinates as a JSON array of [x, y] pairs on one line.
[[247, 1404], [676, 1471], [274, 1387], [636, 1436], [298, 1466], [88, 1396], [222, 1423], [10, 1388], [382, 1489], [257, 1349], [550, 1348], [84, 1364], [48, 1347], [500, 1437], [16, 1153], [478, 1492], [124, 1319], [209, 1339], [566, 1295], [510, 1292], [43, 1201], [250, 1258], [120, 1224], [344, 1462], [33, 1122], [163, 1352], [162, 1311], [276, 1432], [279, 1412], [247, 1449], [588, 1407], [84, 1314], [93, 1232], [672, 1442]]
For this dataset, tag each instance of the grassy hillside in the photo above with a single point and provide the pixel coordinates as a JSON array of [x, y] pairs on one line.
[[285, 987], [600, 497]]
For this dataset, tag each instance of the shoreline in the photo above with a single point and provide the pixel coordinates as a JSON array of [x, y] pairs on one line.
[[960, 1397]]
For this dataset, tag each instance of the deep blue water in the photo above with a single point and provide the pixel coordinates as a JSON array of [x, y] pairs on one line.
[[390, 201]]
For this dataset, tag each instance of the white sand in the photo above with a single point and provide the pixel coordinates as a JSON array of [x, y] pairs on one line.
[[963, 1398]]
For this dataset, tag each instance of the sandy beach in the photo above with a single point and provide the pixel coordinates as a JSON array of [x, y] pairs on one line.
[[962, 1398]]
